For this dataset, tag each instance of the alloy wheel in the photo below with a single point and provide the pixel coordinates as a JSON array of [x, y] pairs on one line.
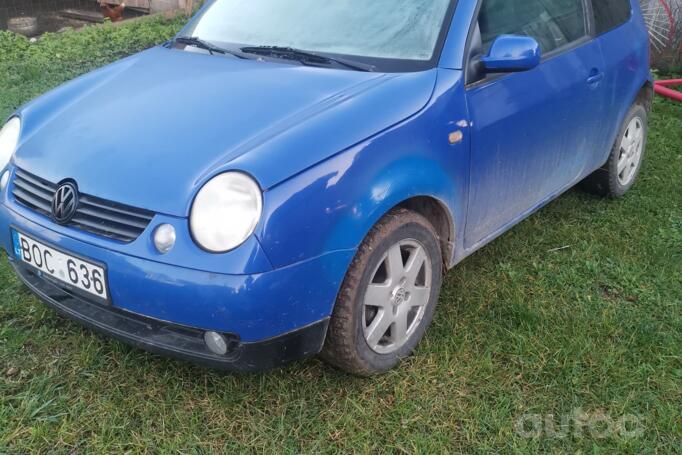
[[396, 297], [631, 147]]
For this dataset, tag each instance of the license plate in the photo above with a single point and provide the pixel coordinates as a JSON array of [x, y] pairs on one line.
[[63, 267]]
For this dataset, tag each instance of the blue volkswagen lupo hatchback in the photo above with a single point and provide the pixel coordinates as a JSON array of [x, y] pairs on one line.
[[294, 177]]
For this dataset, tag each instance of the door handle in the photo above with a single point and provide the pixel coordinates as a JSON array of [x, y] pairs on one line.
[[595, 78]]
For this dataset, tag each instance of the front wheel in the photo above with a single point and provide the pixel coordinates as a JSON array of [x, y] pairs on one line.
[[388, 297]]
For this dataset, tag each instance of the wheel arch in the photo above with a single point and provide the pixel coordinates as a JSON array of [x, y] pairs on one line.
[[422, 186], [645, 96], [639, 92], [440, 217]]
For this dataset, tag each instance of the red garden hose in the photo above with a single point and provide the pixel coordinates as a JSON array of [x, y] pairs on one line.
[[661, 87]]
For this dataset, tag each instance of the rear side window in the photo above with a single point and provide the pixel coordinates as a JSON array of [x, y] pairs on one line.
[[553, 23], [610, 14]]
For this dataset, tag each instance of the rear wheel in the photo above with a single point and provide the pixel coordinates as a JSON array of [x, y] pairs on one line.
[[388, 297], [618, 175]]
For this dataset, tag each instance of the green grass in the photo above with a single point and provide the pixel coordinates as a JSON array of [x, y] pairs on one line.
[[522, 328]]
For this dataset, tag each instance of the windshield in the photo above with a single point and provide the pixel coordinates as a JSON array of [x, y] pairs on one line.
[[404, 30]]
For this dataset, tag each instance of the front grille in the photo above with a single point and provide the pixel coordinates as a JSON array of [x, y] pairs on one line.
[[94, 215]]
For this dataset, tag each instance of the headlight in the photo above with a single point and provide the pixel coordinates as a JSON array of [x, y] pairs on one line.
[[226, 212], [9, 138]]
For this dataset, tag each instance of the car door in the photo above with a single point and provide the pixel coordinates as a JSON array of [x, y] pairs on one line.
[[533, 132]]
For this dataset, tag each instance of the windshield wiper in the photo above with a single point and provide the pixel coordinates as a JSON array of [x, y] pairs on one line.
[[306, 57], [198, 42]]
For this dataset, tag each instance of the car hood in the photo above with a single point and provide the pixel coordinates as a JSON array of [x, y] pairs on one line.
[[149, 130]]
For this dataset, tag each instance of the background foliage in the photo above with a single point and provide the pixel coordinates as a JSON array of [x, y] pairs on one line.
[[28, 69]]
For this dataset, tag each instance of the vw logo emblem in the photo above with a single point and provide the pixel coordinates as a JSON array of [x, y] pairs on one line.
[[65, 203]]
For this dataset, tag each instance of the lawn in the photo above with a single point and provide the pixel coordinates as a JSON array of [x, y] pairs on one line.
[[577, 311]]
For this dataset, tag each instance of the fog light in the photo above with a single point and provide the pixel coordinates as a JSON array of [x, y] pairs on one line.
[[164, 238], [216, 343], [3, 180]]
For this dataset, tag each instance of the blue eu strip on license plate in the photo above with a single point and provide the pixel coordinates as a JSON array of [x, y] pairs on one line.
[[16, 244]]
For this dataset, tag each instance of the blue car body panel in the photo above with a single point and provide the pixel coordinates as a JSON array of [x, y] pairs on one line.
[[453, 56], [351, 191], [627, 68], [215, 110], [511, 173], [333, 151]]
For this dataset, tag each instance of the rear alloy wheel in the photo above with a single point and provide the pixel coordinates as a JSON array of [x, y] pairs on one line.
[[630, 152], [389, 296], [618, 175]]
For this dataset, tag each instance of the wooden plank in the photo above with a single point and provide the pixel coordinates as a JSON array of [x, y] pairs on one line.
[[188, 6], [140, 5], [82, 15], [131, 3]]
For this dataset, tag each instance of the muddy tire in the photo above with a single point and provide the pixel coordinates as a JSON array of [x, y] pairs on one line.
[[388, 296]]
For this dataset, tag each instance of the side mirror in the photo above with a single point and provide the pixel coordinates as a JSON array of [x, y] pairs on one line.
[[512, 53]]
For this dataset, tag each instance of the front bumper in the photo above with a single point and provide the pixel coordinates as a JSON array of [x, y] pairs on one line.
[[271, 317], [173, 340]]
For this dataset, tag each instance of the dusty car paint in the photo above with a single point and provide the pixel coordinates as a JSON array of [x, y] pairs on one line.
[[333, 151]]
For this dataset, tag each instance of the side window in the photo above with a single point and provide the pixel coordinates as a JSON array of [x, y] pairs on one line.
[[610, 14], [553, 23]]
